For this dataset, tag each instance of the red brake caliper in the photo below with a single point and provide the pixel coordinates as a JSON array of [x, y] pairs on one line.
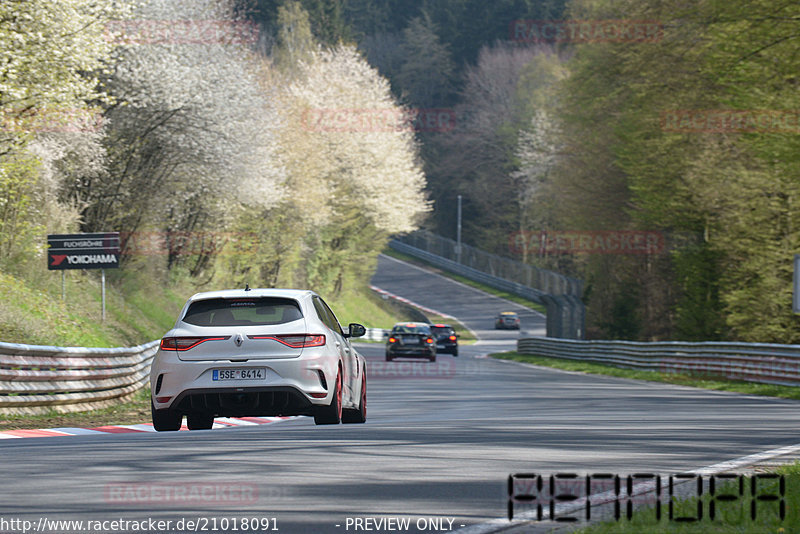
[[339, 392]]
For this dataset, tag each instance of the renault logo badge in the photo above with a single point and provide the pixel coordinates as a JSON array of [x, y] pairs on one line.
[[239, 339]]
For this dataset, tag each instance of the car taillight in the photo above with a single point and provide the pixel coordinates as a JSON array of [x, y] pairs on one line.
[[392, 340], [429, 340], [452, 338], [296, 341], [186, 343]]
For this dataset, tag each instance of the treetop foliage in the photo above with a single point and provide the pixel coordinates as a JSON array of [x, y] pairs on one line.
[[200, 137]]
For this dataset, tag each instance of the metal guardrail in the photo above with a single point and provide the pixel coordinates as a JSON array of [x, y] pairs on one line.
[[37, 379], [566, 314], [540, 280], [376, 334], [468, 272], [765, 363]]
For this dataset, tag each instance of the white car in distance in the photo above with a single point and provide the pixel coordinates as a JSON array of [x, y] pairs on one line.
[[257, 352]]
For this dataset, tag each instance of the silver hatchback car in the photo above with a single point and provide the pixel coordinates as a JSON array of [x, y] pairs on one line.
[[257, 352]]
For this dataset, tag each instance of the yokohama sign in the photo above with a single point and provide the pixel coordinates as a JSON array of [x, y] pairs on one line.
[[83, 251]]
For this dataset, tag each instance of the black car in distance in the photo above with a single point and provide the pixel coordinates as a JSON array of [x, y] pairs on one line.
[[446, 338], [507, 319], [411, 340]]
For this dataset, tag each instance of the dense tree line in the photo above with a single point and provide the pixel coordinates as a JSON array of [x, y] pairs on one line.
[[581, 135], [724, 197], [165, 121], [566, 135]]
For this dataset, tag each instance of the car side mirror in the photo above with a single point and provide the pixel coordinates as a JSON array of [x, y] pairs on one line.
[[356, 330]]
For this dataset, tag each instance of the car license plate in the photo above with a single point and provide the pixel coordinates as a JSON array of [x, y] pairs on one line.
[[251, 373], [411, 340]]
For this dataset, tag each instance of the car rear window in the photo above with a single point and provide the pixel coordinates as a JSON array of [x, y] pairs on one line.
[[242, 312], [411, 329], [442, 330]]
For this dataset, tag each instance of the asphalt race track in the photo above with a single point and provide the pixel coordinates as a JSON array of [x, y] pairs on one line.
[[438, 446]]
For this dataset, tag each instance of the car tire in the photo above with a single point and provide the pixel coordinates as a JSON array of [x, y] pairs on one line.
[[455, 352], [389, 358], [358, 415], [432, 358], [199, 421], [331, 414], [165, 420]]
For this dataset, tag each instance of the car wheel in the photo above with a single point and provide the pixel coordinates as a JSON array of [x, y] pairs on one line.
[[389, 358], [455, 351], [165, 420], [199, 421], [331, 414], [432, 358], [358, 415]]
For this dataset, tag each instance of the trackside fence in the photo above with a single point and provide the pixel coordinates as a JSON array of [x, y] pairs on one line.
[[523, 275], [765, 363], [37, 379], [566, 314]]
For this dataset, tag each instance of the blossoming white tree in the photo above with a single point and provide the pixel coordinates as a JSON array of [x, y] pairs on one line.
[[345, 135], [192, 132], [352, 171], [52, 54]]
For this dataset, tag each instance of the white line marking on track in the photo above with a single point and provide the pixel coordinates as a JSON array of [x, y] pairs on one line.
[[498, 525], [511, 304]]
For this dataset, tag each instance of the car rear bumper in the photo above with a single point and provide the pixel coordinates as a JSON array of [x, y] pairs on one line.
[[411, 352], [189, 386], [234, 402]]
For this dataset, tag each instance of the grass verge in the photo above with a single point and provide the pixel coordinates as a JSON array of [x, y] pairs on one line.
[[466, 281], [138, 308], [132, 412], [786, 392], [368, 308]]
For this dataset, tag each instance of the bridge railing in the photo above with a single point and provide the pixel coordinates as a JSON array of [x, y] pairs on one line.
[[566, 313], [542, 280]]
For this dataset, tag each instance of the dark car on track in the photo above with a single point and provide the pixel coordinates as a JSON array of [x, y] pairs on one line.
[[446, 338], [411, 340], [507, 319]]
